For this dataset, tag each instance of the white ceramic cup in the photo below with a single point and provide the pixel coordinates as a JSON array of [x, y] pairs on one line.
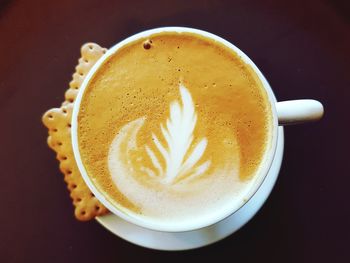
[[287, 112]]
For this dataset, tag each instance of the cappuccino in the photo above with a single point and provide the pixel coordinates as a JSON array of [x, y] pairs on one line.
[[173, 127]]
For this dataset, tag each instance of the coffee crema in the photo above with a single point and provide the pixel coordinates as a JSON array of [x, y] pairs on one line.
[[173, 127]]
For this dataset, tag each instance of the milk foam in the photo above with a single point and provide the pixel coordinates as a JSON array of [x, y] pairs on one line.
[[179, 182], [223, 114]]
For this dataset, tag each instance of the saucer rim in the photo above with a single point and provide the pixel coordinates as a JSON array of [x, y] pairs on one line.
[[251, 207]]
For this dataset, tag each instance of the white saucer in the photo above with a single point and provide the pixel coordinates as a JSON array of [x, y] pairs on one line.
[[205, 236]]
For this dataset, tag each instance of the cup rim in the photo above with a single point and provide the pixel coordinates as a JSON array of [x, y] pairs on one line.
[[260, 175]]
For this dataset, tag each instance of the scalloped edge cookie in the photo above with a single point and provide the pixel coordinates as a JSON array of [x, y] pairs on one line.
[[58, 122]]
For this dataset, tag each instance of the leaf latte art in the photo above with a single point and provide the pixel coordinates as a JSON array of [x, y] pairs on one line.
[[180, 156], [178, 135], [168, 170]]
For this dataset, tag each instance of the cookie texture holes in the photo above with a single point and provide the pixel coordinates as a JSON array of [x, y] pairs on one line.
[[62, 158]]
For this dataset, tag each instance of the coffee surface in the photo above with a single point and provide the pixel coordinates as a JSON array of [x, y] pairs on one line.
[[174, 126]]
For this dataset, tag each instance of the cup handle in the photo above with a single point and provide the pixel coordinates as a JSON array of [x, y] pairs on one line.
[[298, 111]]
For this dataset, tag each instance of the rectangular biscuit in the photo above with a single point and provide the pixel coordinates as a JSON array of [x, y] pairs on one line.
[[58, 122]]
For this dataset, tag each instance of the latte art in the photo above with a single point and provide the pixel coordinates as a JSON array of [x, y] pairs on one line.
[[171, 151], [178, 134], [172, 173]]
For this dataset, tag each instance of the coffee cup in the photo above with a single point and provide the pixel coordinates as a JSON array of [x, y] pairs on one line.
[[183, 113]]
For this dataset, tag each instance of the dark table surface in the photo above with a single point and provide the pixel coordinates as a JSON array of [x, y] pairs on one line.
[[301, 47]]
